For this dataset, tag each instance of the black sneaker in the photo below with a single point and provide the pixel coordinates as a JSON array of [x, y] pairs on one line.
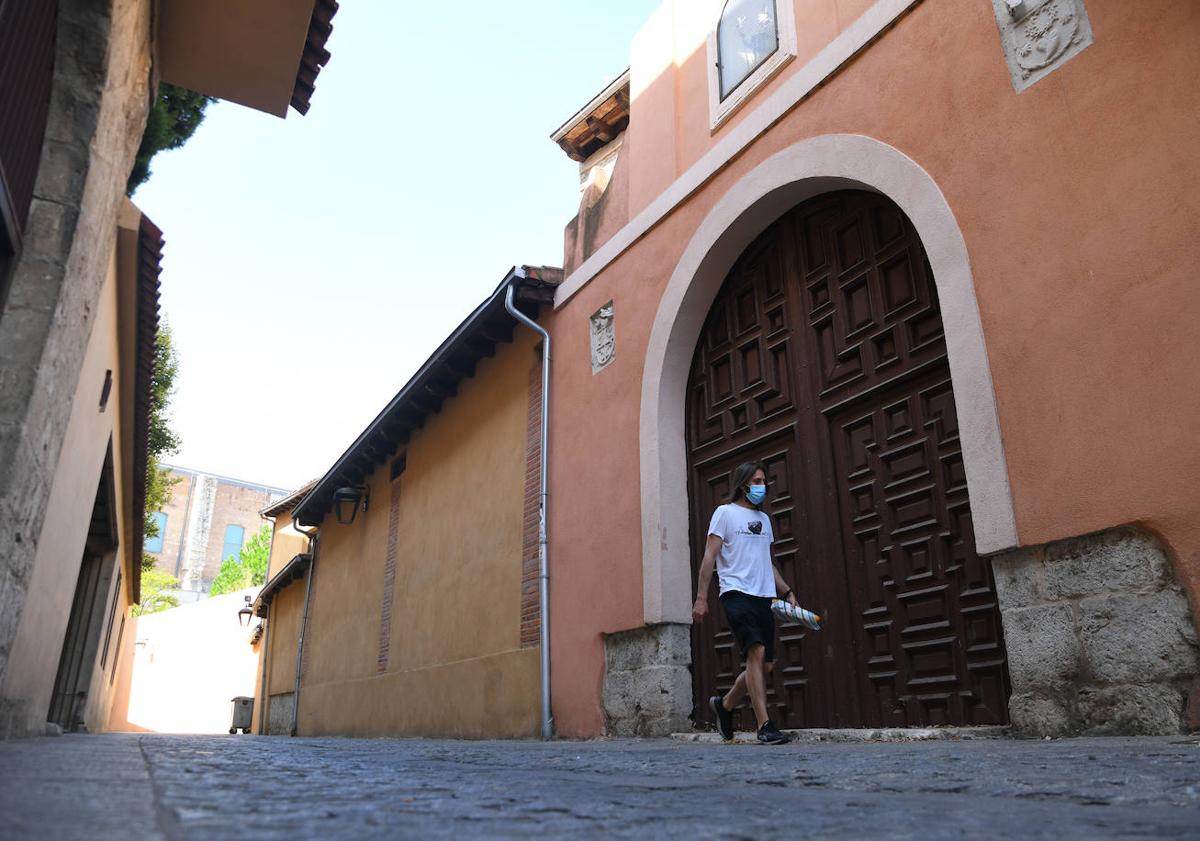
[[768, 734], [724, 717]]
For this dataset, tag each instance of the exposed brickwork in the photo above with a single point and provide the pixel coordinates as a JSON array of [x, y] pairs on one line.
[[171, 557], [531, 619], [191, 545], [389, 580]]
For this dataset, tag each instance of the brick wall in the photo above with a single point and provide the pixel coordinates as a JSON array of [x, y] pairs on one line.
[[233, 503], [171, 557], [530, 608], [389, 580]]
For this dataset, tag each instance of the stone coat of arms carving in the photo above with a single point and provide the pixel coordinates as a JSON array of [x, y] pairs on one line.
[[1040, 35], [603, 337]]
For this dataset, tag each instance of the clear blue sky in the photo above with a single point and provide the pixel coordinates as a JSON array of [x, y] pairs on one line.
[[313, 263]]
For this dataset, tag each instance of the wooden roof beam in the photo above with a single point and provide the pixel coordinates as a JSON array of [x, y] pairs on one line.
[[481, 347], [496, 333]]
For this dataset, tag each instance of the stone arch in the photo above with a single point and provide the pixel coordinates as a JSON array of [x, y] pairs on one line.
[[801, 171]]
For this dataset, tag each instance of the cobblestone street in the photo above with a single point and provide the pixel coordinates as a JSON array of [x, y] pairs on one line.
[[198, 787]]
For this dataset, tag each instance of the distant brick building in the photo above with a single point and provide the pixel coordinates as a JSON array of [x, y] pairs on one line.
[[208, 519]]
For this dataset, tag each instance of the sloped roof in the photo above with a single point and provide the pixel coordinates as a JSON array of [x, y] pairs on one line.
[[596, 124], [287, 503], [149, 258], [476, 337], [293, 570]]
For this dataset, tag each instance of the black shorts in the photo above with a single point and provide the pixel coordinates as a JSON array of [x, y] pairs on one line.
[[751, 620]]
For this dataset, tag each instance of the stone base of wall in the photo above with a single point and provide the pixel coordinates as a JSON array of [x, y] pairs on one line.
[[647, 681], [279, 714], [13, 719], [1099, 635]]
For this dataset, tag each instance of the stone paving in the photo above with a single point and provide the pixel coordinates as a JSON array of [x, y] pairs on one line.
[[201, 787]]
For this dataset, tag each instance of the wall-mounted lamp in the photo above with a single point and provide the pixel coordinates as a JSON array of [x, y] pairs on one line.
[[245, 613], [346, 500], [1017, 9]]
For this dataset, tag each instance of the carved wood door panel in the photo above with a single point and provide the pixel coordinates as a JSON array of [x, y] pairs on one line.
[[823, 355]]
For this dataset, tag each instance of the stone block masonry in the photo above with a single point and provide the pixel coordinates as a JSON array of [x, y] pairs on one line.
[[647, 681], [1100, 637], [99, 100]]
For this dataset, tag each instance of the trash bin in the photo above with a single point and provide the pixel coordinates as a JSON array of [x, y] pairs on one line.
[[243, 714]]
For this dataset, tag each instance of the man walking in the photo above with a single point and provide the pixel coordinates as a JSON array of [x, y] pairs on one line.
[[739, 544]]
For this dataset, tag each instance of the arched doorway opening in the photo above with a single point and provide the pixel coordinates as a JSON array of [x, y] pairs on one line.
[[824, 355]]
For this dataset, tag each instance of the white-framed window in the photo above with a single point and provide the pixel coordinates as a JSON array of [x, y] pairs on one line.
[[750, 41]]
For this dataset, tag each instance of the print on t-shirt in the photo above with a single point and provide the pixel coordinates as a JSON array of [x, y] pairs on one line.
[[744, 562]]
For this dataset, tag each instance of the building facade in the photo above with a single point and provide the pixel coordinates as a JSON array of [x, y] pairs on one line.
[[208, 519], [414, 611], [78, 312], [930, 262]]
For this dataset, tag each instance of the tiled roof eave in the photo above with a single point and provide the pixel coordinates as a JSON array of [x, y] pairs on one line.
[[437, 380], [315, 56], [293, 570], [149, 251]]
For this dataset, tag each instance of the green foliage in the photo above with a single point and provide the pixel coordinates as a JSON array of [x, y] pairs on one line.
[[159, 482], [156, 587], [160, 439], [248, 569], [175, 115]]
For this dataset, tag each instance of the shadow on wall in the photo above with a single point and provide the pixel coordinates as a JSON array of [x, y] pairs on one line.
[[188, 663]]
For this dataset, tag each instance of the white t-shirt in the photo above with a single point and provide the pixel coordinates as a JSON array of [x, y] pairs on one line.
[[744, 562]]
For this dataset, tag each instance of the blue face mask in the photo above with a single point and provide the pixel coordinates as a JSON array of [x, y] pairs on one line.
[[756, 494]]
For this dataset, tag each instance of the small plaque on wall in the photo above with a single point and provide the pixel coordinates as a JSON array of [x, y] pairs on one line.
[[603, 338], [1039, 36]]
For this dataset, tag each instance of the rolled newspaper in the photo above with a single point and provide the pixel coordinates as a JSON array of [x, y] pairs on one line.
[[788, 613]]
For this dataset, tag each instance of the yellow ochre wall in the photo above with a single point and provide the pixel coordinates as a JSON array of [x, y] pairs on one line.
[[278, 649], [283, 634], [455, 666], [286, 543]]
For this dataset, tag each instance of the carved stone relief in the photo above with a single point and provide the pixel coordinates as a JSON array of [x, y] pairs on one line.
[[604, 338], [1039, 36]]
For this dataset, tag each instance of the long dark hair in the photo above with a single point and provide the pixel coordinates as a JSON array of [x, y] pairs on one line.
[[742, 476]]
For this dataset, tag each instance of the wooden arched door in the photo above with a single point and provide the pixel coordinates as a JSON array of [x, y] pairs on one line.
[[824, 356]]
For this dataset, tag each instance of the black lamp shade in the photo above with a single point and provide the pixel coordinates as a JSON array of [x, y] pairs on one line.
[[245, 613], [345, 504]]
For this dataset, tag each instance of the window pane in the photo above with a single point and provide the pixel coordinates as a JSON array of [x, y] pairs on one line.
[[233, 542], [154, 544], [746, 37]]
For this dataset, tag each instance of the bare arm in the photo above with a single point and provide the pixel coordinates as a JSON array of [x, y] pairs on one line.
[[781, 586], [711, 548]]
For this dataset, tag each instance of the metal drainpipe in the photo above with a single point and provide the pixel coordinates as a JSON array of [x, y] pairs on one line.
[[543, 576], [266, 643], [315, 537]]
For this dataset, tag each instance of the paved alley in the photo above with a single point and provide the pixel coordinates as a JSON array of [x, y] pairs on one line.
[[199, 787]]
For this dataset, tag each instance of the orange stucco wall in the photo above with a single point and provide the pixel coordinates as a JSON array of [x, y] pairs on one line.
[[1078, 203], [454, 665]]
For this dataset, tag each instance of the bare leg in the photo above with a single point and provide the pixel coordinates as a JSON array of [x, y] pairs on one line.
[[756, 682], [738, 691]]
